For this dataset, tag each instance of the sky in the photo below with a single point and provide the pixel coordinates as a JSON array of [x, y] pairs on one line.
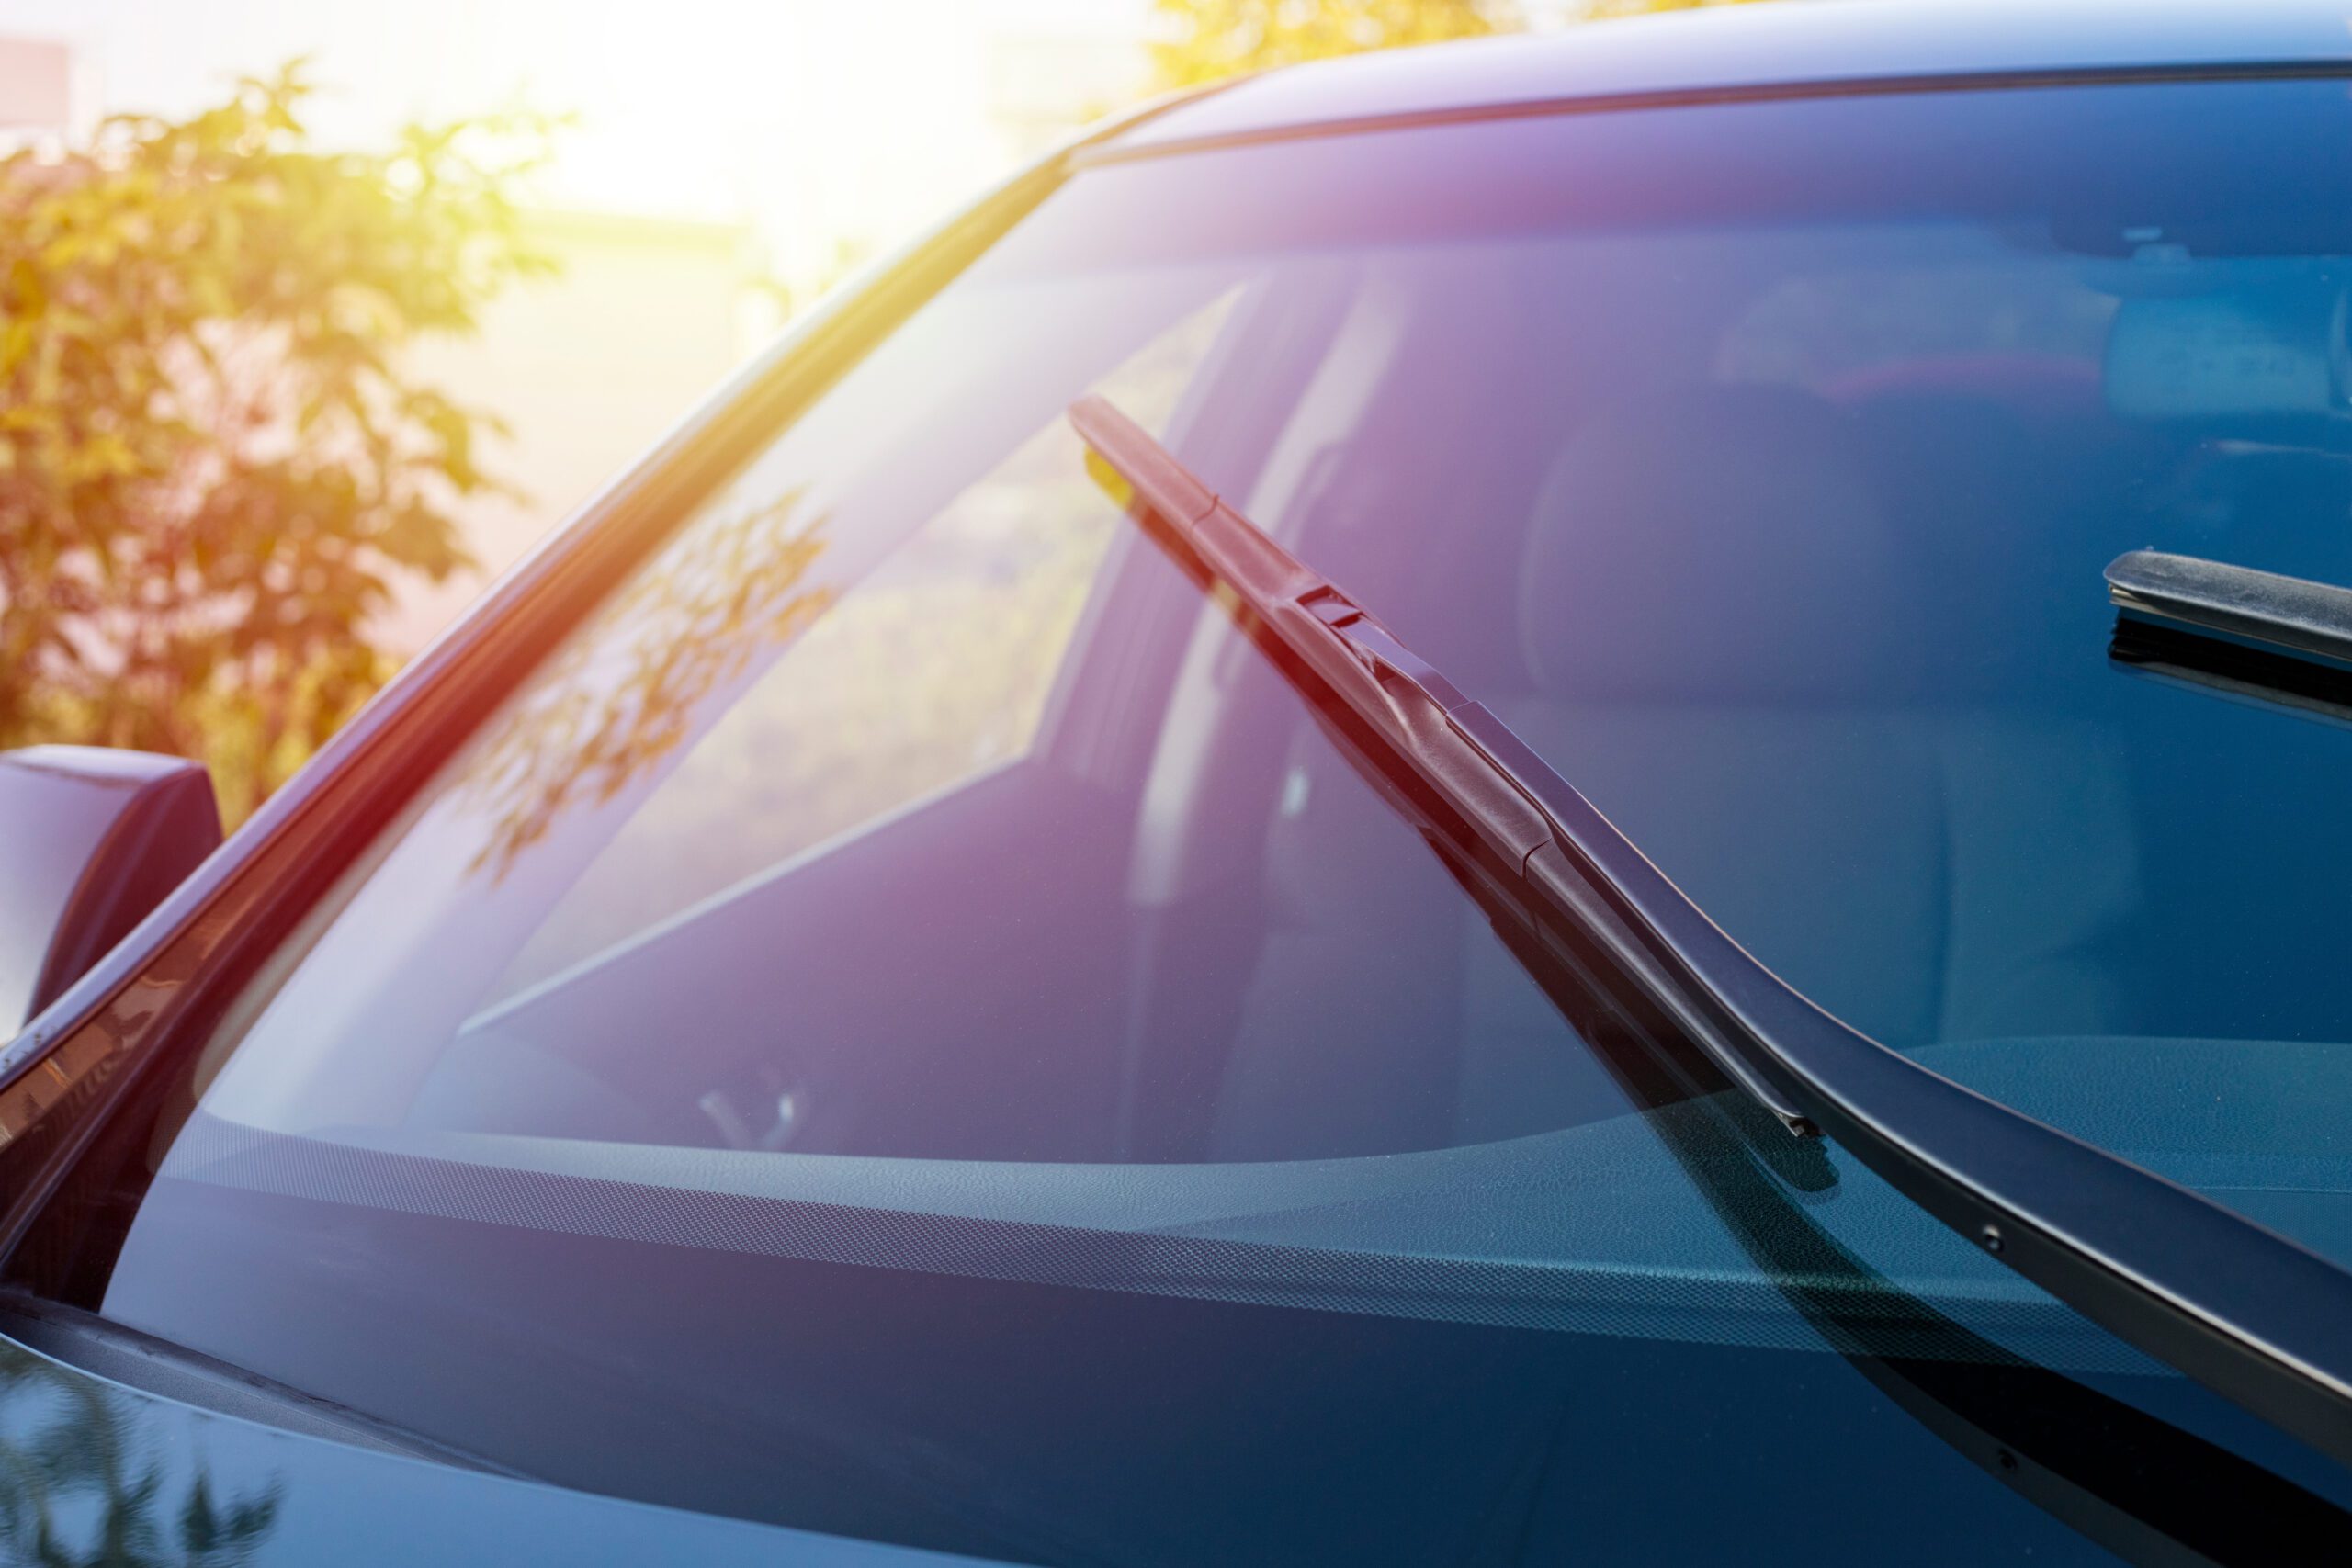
[[811, 119]]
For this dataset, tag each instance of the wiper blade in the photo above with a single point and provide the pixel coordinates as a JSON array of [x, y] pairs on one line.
[[2246, 1312], [2286, 614], [2244, 635]]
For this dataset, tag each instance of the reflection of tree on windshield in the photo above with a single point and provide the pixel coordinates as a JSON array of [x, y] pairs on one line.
[[624, 693], [76, 1489]]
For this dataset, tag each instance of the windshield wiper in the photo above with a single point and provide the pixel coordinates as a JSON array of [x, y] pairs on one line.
[[2233, 630], [2289, 614], [2247, 1313]]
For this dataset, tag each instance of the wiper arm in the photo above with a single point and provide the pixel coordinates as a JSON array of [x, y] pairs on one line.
[[2229, 629], [2291, 615], [2247, 1313]]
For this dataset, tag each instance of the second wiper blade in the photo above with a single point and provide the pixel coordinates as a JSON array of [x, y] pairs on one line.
[[2243, 1310], [2248, 635], [2289, 614]]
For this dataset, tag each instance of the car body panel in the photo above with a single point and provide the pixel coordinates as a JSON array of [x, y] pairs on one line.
[[1742, 50], [92, 1456]]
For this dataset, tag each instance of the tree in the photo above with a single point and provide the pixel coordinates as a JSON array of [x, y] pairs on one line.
[[80, 1489], [214, 471], [1596, 9], [1206, 40], [726, 591]]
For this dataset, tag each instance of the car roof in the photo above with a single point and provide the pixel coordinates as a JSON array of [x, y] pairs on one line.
[[1743, 50]]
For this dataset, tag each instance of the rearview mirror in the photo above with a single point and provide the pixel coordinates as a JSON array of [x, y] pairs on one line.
[[90, 841]]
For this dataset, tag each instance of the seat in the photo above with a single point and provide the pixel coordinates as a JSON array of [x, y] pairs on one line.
[[1721, 627]]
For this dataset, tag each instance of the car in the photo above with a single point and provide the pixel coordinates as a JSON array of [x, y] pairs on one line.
[[1558, 799]]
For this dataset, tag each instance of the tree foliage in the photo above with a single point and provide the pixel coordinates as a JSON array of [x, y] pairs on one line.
[[1205, 40], [79, 1489], [214, 471], [1596, 9]]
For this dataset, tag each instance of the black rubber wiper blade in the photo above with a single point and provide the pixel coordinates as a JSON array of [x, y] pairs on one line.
[[2251, 1315], [2230, 631], [2262, 609]]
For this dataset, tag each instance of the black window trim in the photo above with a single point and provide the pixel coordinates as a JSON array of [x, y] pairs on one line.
[[1903, 85]]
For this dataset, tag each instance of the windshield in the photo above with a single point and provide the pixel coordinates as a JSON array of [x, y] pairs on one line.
[[908, 1023]]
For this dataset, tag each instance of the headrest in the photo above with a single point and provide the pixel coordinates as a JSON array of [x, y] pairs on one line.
[[1713, 543]]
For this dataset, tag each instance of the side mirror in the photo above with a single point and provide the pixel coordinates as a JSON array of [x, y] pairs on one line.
[[90, 841]]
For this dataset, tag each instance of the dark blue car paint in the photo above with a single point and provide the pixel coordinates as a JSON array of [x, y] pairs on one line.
[[88, 1461], [336, 1503]]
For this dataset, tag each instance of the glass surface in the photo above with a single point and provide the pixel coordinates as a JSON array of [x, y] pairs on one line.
[[910, 1024]]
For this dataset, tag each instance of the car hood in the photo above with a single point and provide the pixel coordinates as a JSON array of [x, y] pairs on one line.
[[85, 1461]]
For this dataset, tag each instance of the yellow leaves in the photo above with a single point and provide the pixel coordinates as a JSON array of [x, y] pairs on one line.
[[1204, 40], [253, 733], [1597, 9], [95, 458], [17, 335], [27, 294], [210, 466], [727, 592]]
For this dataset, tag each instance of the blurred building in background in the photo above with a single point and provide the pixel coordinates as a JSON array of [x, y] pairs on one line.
[[45, 92]]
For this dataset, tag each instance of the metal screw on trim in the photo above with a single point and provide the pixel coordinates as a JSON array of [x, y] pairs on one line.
[[1991, 1238]]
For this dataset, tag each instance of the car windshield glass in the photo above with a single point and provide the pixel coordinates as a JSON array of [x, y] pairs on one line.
[[909, 1024]]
